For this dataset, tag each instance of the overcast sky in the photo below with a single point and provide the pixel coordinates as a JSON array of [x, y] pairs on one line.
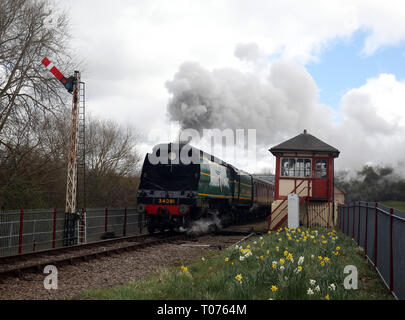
[[335, 68]]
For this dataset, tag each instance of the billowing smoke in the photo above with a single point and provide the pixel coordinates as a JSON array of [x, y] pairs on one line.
[[281, 99], [226, 98]]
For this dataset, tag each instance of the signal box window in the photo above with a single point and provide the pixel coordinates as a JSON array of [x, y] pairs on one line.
[[321, 168], [296, 167]]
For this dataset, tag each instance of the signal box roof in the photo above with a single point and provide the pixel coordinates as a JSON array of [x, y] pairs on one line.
[[304, 142]]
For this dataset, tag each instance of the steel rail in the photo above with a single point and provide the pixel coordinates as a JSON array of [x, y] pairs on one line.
[[56, 256]]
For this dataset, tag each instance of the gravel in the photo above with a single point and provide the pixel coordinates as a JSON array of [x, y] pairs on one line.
[[111, 270]]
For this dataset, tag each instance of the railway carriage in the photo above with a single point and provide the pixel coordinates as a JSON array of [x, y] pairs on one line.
[[181, 184]]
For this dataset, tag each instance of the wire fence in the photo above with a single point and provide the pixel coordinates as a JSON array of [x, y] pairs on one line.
[[24, 231], [380, 230]]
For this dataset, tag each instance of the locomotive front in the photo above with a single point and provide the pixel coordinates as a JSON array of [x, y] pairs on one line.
[[169, 186]]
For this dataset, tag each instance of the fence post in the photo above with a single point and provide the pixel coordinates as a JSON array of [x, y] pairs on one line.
[[125, 222], [343, 218], [54, 229], [106, 220], [366, 236], [358, 229], [338, 216], [391, 251], [82, 227], [20, 240], [354, 213], [347, 229], [376, 234]]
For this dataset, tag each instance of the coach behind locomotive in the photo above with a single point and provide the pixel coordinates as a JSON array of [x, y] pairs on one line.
[[181, 184]]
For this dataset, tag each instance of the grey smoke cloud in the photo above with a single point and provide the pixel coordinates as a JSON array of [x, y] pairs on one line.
[[368, 127], [249, 52], [277, 108]]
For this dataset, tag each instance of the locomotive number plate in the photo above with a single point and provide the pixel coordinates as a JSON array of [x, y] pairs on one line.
[[166, 201]]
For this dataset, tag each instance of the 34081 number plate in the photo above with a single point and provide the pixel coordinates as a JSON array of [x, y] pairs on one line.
[[166, 201]]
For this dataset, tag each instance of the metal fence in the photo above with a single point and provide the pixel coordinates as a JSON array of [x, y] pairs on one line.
[[23, 231], [380, 230]]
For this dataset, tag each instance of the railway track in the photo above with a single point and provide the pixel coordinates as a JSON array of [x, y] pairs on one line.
[[36, 261], [15, 266]]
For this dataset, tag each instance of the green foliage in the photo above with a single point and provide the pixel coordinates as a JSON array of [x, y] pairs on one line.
[[372, 184], [20, 194], [251, 271], [400, 205]]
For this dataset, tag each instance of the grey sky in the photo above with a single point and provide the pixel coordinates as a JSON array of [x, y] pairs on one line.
[[136, 54]]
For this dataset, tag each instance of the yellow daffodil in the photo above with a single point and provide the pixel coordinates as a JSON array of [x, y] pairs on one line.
[[185, 269], [238, 277], [226, 259], [274, 288], [327, 297], [282, 261]]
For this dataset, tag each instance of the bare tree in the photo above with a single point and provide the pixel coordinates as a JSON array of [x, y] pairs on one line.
[[110, 148], [29, 31], [33, 168]]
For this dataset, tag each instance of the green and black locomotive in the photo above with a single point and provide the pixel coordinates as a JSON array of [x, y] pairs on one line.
[[181, 184]]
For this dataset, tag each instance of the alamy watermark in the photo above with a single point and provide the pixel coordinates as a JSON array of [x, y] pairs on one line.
[[351, 281], [51, 280], [231, 145]]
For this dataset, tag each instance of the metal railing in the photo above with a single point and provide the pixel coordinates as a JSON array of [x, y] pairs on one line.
[[24, 231], [380, 230]]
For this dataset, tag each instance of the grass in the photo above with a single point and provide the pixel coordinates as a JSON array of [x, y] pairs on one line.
[[264, 268], [400, 205]]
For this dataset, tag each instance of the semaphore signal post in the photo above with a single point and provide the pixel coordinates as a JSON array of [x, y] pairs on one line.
[[76, 155]]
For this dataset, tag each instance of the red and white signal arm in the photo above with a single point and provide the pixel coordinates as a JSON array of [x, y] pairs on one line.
[[67, 83]]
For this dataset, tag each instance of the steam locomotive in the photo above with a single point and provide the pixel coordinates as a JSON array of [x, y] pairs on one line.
[[181, 184]]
